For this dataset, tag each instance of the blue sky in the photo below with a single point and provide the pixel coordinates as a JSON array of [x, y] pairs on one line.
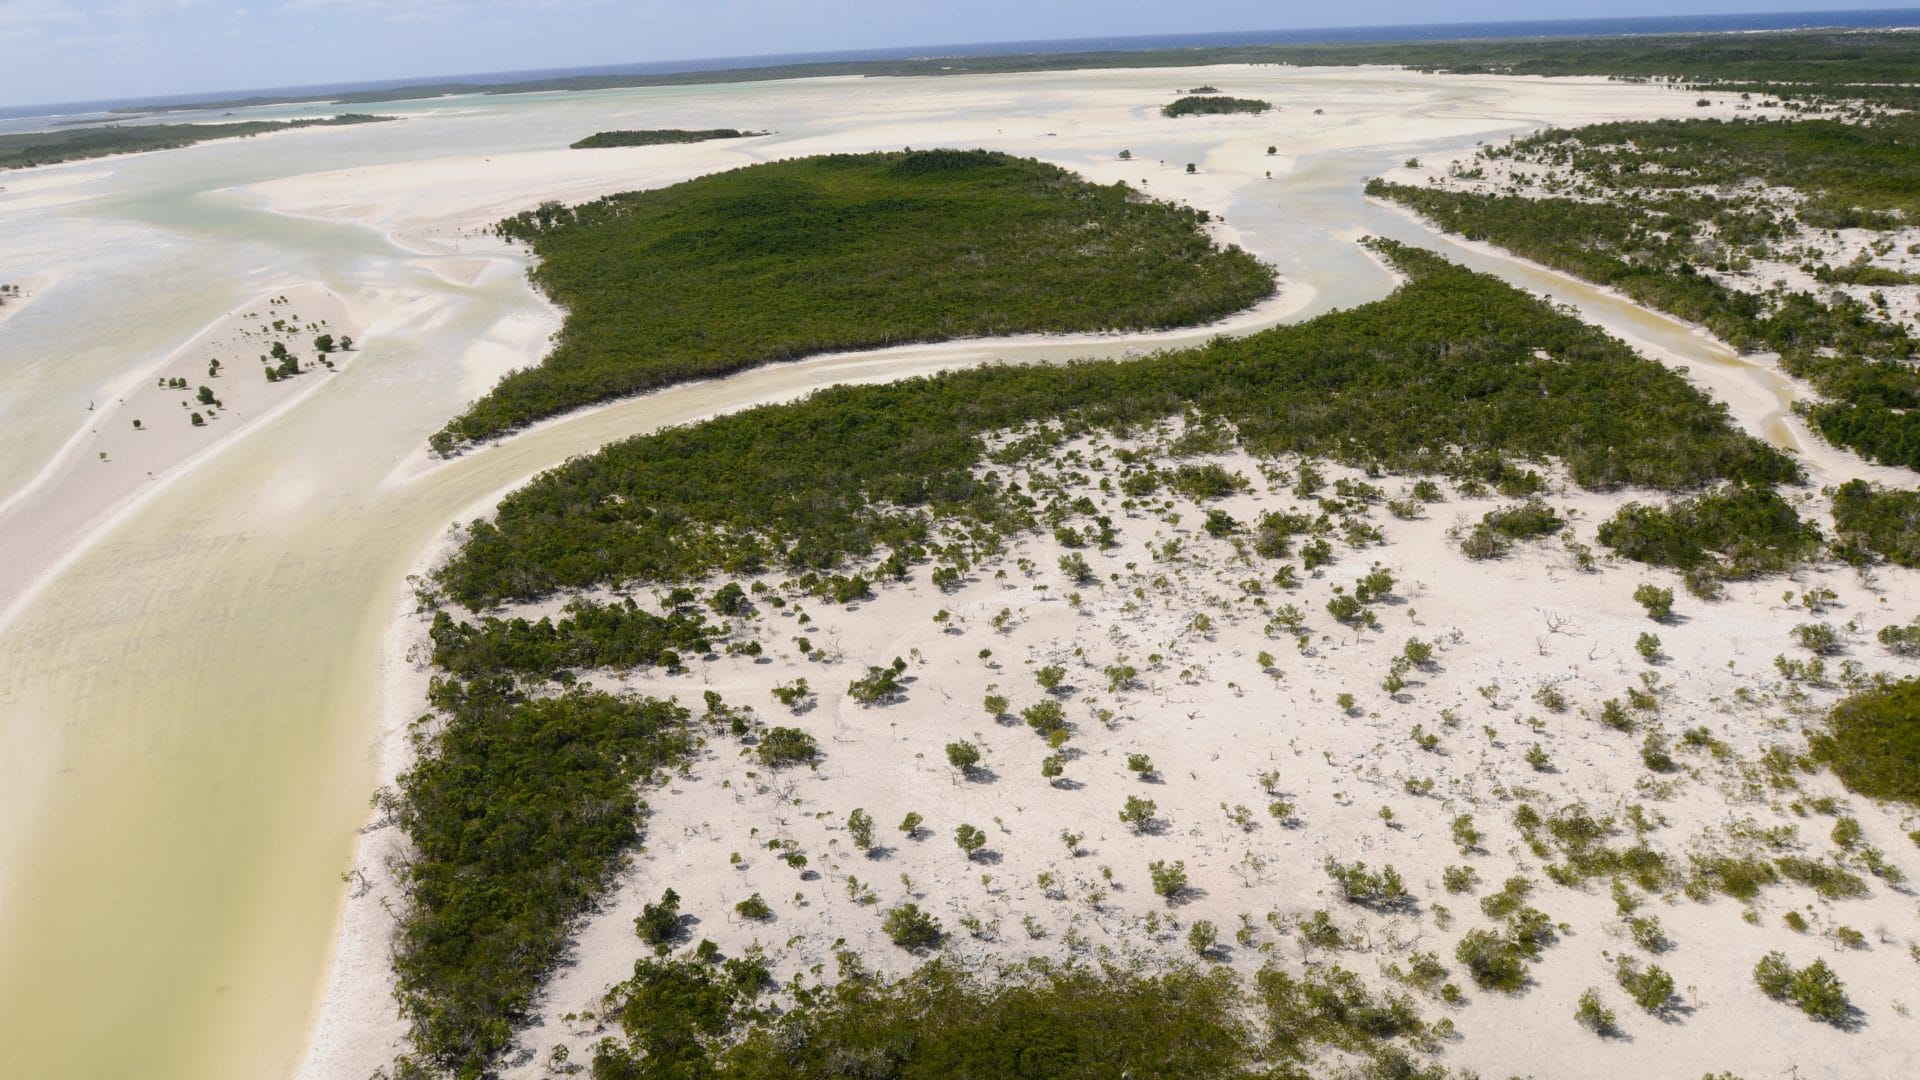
[[72, 50]]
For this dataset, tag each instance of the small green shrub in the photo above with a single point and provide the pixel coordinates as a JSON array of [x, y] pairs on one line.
[[659, 923], [1138, 813], [783, 746], [911, 929], [1651, 988], [1657, 601], [1591, 1014], [1169, 879], [970, 839], [1815, 988], [1492, 960]]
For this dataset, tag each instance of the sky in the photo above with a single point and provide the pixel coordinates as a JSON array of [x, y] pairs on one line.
[[80, 50]]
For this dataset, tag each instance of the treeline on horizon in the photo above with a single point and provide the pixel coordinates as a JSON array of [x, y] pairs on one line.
[[1653, 233], [74, 144], [1867, 64], [793, 258]]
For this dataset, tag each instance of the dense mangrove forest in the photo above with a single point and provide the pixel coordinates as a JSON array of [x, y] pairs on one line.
[[794, 258]]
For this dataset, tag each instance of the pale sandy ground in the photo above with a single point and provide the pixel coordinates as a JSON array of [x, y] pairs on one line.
[[17, 302], [111, 462], [1212, 719], [1338, 769]]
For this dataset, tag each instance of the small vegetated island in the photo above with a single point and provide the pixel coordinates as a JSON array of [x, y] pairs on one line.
[[777, 261], [658, 137], [74, 144], [1212, 104]]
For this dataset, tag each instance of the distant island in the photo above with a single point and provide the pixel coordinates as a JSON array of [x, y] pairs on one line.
[[1204, 104], [52, 147], [658, 137]]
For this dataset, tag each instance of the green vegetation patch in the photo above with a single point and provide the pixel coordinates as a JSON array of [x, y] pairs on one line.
[[518, 811], [1738, 532], [1882, 520], [657, 137], [590, 635], [779, 261], [1846, 170], [74, 144], [1213, 104], [696, 1017], [1873, 741], [1453, 370], [1643, 227]]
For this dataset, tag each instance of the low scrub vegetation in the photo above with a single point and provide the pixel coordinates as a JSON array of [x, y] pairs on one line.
[[737, 493], [1873, 741], [781, 260]]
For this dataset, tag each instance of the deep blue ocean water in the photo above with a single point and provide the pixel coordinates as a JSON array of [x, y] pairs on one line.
[[1666, 24]]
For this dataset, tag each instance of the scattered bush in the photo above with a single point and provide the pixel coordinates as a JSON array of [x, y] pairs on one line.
[[1492, 960], [912, 929], [1383, 890], [1657, 601], [1651, 988], [963, 756], [659, 923], [783, 746], [860, 827], [1815, 988], [970, 839], [1138, 813], [1591, 1014], [1169, 879]]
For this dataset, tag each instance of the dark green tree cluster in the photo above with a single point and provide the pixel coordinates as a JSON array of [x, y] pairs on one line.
[[1885, 521], [695, 1018], [1453, 372], [1734, 533], [518, 812], [656, 137], [73, 144], [1873, 741], [789, 259], [1213, 105], [589, 635]]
